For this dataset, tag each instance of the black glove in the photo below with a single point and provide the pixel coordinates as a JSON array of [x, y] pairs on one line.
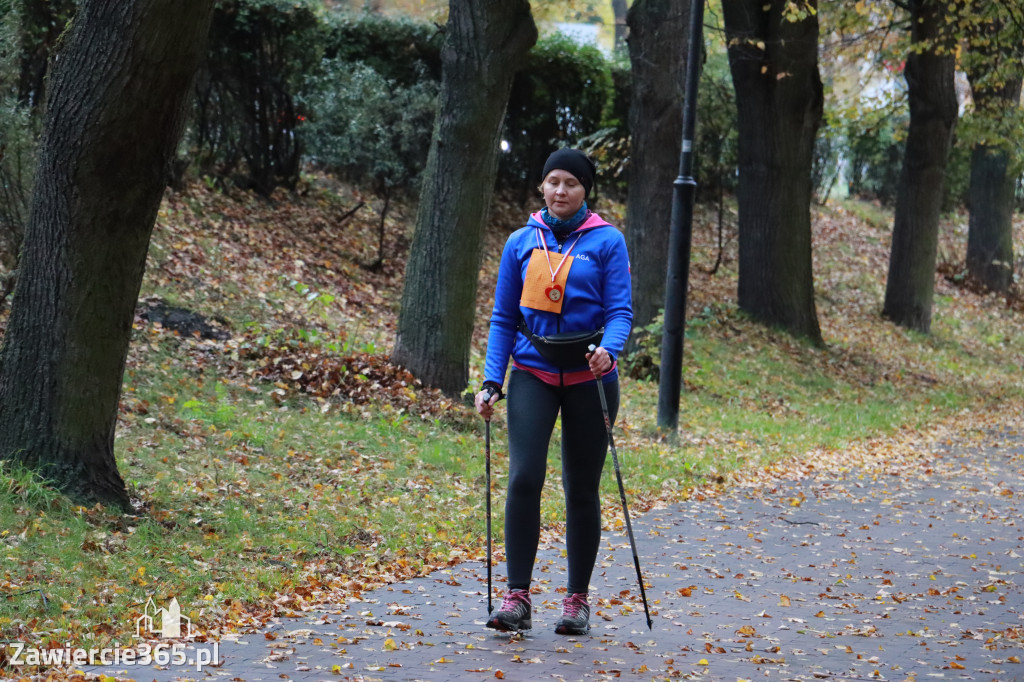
[[492, 389]]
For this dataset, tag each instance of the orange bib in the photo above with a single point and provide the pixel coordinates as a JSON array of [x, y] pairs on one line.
[[540, 290]]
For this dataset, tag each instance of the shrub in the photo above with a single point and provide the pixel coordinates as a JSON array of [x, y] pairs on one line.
[[873, 149], [399, 49], [245, 115], [561, 95], [716, 157], [368, 128], [609, 146], [18, 142]]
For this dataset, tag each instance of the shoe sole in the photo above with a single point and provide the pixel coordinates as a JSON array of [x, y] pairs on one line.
[[569, 630], [496, 624]]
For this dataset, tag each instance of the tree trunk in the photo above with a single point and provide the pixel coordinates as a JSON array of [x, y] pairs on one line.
[[620, 12], [933, 112], [990, 229], [486, 42], [117, 102], [774, 65], [657, 56], [995, 74]]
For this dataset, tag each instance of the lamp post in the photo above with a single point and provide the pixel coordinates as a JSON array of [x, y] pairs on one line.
[[680, 237]]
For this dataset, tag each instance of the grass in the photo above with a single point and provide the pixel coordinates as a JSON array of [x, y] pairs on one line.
[[255, 501]]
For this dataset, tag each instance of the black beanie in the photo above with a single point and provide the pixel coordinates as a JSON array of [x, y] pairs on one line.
[[575, 162]]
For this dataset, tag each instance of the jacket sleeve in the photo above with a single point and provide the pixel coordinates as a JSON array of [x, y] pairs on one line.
[[618, 297], [505, 315]]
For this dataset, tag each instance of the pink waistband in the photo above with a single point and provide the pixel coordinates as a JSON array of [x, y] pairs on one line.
[[563, 379]]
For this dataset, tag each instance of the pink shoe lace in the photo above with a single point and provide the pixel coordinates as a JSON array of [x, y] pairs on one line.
[[513, 598], [572, 604]]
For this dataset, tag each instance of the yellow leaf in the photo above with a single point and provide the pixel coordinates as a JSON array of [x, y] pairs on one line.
[[389, 644], [703, 661], [784, 601]]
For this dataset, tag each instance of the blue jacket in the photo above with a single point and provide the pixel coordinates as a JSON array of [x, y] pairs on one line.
[[598, 293]]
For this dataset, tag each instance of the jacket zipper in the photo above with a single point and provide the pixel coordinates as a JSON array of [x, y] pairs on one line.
[[558, 322]]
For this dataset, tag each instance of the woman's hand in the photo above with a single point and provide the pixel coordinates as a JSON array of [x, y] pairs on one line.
[[600, 361], [484, 401]]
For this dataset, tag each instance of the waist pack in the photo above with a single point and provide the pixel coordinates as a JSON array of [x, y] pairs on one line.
[[564, 350]]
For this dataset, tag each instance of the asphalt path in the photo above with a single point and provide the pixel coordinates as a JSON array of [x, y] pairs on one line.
[[912, 572]]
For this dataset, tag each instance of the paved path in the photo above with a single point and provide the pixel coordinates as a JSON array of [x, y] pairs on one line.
[[914, 574]]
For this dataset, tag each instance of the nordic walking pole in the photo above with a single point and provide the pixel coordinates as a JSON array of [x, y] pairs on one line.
[[487, 450], [622, 493]]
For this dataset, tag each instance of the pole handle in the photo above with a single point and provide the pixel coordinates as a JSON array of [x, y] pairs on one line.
[[593, 348]]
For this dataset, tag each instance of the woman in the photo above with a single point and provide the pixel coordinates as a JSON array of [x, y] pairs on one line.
[[565, 273]]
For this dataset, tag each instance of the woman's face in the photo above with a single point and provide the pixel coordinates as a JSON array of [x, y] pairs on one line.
[[563, 193]]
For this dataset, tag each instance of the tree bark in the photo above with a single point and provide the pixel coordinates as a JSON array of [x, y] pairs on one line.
[[657, 56], [620, 10], [990, 227], [486, 42], [910, 286], [774, 64], [996, 77], [118, 95]]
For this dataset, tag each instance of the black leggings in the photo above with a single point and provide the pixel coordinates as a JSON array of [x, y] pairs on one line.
[[532, 408]]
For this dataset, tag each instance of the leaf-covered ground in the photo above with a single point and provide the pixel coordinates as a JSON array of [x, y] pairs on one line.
[[292, 464]]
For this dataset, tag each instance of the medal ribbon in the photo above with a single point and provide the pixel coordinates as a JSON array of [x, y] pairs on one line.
[[547, 254]]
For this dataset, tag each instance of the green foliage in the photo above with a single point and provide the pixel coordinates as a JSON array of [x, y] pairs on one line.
[[716, 156], [956, 189], [644, 360], [873, 148], [40, 24], [609, 146], [367, 127], [400, 49], [563, 94], [18, 139], [245, 116]]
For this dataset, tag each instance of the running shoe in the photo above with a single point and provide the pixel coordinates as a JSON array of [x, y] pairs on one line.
[[575, 618], [514, 614]]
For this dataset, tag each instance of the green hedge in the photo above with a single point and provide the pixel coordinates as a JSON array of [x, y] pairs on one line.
[[244, 116], [400, 50], [561, 95]]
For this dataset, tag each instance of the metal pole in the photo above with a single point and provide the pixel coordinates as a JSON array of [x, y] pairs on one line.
[[487, 440], [622, 495], [681, 232]]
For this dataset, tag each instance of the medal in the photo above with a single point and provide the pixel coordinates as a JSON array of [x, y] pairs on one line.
[[545, 282]]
